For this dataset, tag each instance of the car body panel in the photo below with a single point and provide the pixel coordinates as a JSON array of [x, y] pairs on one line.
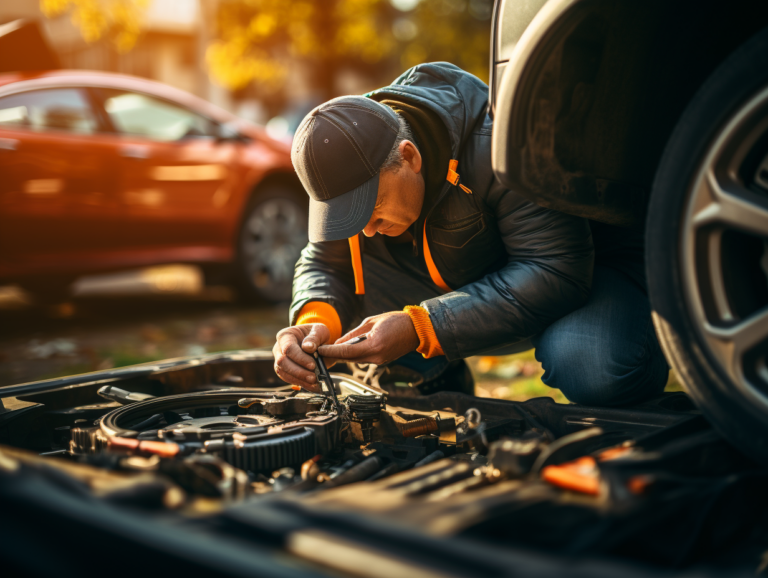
[[592, 91], [79, 203]]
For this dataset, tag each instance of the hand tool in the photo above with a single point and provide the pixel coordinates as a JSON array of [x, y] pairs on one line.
[[358, 339], [322, 375]]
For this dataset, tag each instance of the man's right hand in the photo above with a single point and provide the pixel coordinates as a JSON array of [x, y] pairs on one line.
[[293, 353]]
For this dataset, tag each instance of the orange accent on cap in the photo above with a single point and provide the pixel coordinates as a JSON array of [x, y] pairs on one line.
[[357, 264], [580, 475], [433, 272], [296, 387], [320, 312], [429, 346]]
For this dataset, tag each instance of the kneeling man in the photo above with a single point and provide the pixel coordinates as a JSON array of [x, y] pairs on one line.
[[414, 244]]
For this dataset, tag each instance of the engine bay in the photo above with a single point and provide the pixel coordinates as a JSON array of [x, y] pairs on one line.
[[375, 477]]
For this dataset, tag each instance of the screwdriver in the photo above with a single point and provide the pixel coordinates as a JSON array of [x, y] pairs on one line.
[[321, 373]]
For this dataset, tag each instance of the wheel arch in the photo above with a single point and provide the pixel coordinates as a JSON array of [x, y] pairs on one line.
[[592, 91], [272, 178], [275, 178], [274, 181]]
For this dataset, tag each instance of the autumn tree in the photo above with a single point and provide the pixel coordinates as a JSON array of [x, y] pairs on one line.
[[118, 20], [257, 40]]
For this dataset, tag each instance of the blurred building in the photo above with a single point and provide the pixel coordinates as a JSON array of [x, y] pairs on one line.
[[170, 50]]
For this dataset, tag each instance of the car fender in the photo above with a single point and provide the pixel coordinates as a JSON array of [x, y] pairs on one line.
[[592, 91]]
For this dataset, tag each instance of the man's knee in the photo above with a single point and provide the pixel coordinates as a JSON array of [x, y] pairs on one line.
[[603, 372]]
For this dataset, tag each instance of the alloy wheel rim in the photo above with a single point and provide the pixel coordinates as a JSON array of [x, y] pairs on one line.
[[274, 235], [725, 250]]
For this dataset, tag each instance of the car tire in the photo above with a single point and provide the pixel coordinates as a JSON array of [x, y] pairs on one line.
[[707, 248], [272, 233]]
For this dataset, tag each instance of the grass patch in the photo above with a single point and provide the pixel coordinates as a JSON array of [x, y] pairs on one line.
[[518, 377]]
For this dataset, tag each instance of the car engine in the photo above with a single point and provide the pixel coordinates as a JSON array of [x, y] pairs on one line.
[[369, 476]]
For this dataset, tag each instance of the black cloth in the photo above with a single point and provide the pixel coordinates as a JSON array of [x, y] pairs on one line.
[[514, 266]]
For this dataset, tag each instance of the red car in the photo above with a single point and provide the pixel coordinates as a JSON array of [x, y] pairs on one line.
[[102, 172]]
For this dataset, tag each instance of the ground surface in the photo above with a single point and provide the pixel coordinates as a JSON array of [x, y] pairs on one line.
[[102, 329]]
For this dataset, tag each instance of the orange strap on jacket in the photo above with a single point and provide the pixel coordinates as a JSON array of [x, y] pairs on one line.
[[431, 267], [453, 176], [429, 346], [357, 264], [321, 312], [357, 260]]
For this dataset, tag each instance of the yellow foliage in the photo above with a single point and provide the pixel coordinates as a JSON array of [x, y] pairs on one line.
[[234, 64], [118, 19], [257, 39], [257, 35]]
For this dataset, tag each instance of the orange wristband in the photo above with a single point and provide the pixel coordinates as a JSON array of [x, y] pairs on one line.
[[319, 312], [429, 346]]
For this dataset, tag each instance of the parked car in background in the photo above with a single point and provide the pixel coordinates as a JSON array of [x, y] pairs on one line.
[[103, 172]]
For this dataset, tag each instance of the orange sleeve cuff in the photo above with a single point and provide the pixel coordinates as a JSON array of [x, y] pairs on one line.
[[429, 346], [319, 312]]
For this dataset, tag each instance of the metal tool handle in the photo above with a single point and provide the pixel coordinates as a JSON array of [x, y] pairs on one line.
[[322, 373]]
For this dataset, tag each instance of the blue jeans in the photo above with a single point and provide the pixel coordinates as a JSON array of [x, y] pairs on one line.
[[605, 353]]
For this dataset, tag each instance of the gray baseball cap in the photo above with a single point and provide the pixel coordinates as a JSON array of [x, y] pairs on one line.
[[337, 152]]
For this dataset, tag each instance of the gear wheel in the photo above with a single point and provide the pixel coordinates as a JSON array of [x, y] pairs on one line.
[[279, 432], [269, 452]]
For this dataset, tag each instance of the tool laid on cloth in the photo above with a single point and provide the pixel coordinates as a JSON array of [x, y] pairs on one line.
[[322, 375]]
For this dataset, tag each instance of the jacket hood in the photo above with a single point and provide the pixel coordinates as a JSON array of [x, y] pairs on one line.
[[459, 98]]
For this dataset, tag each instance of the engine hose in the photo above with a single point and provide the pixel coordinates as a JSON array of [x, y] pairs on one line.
[[361, 471]]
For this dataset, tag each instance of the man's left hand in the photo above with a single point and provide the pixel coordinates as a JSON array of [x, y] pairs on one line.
[[390, 336]]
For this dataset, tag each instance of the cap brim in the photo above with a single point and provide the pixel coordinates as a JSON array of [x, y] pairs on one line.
[[343, 216]]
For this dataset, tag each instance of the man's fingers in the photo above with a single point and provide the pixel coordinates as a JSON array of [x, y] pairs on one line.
[[318, 335], [364, 327], [313, 387], [342, 351], [294, 352], [294, 373]]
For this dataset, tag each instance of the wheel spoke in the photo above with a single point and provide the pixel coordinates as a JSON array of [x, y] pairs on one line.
[[272, 240], [732, 206], [736, 340]]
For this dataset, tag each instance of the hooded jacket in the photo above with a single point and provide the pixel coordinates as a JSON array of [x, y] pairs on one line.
[[508, 267]]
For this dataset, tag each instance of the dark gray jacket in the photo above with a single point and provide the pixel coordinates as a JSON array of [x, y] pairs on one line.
[[514, 267]]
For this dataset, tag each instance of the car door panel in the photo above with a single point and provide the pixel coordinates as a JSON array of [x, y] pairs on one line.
[[57, 201], [176, 177]]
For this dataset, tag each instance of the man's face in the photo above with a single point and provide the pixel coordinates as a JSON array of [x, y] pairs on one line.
[[401, 196]]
